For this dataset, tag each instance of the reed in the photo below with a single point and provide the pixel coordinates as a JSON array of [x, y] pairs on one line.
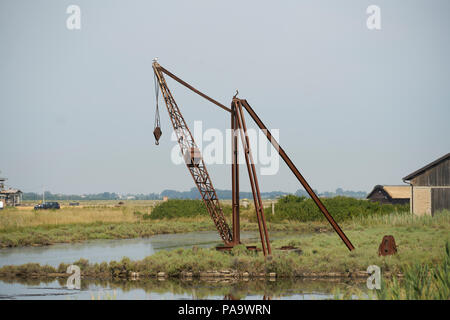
[[420, 282]]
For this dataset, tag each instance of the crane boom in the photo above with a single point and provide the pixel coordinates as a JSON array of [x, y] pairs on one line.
[[193, 159]]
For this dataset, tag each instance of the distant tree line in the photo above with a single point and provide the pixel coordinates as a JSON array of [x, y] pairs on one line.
[[222, 194], [338, 193], [191, 194], [30, 196]]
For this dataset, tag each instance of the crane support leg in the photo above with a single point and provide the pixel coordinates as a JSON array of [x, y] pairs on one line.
[[263, 233], [235, 177], [297, 173]]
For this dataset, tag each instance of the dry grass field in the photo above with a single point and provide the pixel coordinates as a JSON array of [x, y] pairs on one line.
[[27, 217]]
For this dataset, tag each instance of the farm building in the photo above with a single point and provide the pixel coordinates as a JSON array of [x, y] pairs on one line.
[[390, 194], [12, 197], [430, 187]]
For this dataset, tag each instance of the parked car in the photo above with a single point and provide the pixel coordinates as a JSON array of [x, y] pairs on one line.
[[47, 205]]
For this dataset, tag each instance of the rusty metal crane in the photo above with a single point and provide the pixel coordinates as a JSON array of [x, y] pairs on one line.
[[197, 167]]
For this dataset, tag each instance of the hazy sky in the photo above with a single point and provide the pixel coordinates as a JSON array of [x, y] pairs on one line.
[[355, 107]]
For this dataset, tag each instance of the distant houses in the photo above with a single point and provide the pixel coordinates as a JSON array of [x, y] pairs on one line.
[[390, 194], [11, 197], [430, 187]]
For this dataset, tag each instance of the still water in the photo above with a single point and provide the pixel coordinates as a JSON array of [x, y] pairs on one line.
[[173, 289]]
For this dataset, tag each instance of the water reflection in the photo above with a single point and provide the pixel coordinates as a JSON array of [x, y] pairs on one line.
[[174, 289]]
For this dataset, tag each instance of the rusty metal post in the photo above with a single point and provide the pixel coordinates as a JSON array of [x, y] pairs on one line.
[[265, 243], [235, 177], [243, 126]]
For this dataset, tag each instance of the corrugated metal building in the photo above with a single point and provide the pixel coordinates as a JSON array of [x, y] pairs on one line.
[[390, 194], [430, 187]]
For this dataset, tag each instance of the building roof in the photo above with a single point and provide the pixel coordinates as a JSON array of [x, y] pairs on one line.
[[425, 168], [395, 192], [398, 192], [10, 191]]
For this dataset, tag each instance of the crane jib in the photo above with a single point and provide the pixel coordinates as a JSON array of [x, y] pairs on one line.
[[194, 161]]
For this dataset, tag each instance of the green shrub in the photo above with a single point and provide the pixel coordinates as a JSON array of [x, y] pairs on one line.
[[341, 208], [181, 208]]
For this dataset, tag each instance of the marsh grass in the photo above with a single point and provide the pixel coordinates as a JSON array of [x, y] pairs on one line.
[[420, 282], [441, 218], [14, 218]]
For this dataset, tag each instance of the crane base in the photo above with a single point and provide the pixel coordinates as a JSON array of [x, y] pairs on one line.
[[228, 248]]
